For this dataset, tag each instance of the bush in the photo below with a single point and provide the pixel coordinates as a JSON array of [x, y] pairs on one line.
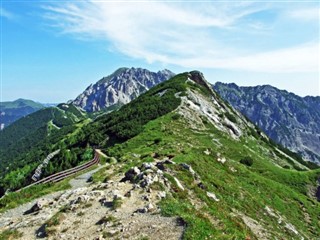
[[247, 161], [176, 116], [231, 117], [157, 140]]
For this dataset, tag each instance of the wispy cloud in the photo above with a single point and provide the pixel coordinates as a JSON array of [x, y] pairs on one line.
[[189, 35], [305, 14], [6, 14]]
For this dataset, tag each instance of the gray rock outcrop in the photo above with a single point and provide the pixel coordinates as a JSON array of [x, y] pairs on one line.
[[119, 88]]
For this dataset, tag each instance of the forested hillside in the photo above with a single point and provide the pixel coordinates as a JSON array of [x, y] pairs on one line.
[[25, 143]]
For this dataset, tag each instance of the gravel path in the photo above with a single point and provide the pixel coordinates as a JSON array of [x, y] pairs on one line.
[[82, 180], [77, 182]]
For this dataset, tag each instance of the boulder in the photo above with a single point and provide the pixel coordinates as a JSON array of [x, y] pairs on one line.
[[178, 183], [160, 166], [190, 169], [37, 206], [213, 196], [147, 166], [131, 174]]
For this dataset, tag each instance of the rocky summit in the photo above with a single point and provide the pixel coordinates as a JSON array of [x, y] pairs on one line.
[[288, 119], [119, 88]]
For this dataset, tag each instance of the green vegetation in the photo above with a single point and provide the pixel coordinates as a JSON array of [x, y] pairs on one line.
[[247, 161], [15, 199], [116, 203], [10, 235], [129, 120], [231, 117], [27, 142]]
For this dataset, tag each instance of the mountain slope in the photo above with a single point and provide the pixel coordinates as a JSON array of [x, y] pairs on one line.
[[20, 141], [119, 88], [288, 119], [181, 151], [12, 111]]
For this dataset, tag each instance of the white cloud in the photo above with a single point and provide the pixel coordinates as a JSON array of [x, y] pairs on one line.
[[305, 14], [304, 58], [180, 34]]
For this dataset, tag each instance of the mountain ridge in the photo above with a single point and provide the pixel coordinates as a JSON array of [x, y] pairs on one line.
[[290, 120], [11, 111]]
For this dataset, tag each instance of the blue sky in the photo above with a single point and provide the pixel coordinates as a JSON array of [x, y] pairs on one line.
[[52, 50]]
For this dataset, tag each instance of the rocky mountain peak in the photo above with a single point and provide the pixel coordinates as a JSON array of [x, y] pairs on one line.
[[119, 88], [288, 119]]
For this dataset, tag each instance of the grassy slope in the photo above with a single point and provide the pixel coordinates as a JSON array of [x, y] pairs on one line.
[[249, 190]]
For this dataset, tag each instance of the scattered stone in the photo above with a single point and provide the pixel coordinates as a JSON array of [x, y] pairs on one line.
[[37, 206], [162, 194], [147, 166], [290, 227], [190, 169], [128, 194], [146, 198], [131, 174], [160, 166], [148, 171], [213, 196], [221, 159], [201, 185], [169, 162], [207, 152], [232, 169], [80, 199], [150, 207], [178, 183], [117, 195]]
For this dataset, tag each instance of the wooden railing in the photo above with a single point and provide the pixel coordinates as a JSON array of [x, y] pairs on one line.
[[66, 173]]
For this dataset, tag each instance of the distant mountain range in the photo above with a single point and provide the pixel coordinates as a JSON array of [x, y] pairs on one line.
[[119, 88], [288, 119], [12, 111]]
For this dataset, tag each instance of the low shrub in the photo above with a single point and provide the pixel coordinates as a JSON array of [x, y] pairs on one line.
[[247, 161]]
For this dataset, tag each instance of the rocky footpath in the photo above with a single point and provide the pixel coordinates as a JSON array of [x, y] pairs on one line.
[[124, 207]]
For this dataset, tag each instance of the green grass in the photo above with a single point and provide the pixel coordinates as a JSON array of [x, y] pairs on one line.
[[10, 235]]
